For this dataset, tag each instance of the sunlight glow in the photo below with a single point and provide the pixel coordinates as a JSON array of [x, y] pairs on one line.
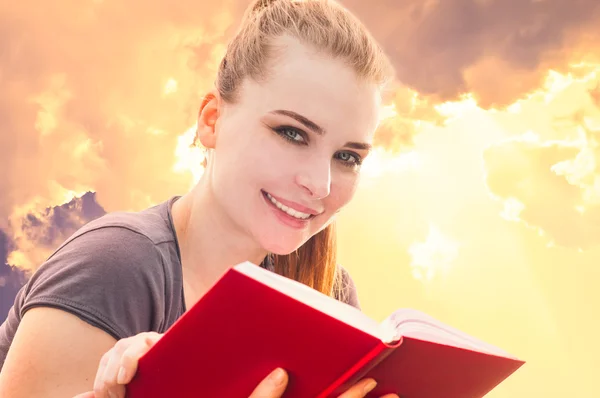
[[190, 158], [432, 256]]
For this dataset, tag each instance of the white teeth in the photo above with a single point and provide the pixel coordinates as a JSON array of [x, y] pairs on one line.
[[291, 212]]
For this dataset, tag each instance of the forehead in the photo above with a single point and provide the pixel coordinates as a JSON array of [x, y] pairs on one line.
[[317, 86]]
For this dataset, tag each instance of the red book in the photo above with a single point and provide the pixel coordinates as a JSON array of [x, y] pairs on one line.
[[253, 320]]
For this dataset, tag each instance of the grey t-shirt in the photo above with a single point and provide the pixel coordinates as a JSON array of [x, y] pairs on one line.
[[120, 273]]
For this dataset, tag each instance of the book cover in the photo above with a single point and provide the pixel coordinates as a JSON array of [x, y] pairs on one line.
[[252, 321]]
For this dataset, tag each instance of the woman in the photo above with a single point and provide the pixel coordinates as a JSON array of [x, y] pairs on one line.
[[287, 127]]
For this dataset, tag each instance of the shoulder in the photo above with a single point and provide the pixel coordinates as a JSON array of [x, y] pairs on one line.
[[105, 272], [119, 241], [103, 250], [346, 288], [151, 224]]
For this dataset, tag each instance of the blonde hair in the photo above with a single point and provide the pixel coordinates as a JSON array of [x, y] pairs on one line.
[[328, 28]]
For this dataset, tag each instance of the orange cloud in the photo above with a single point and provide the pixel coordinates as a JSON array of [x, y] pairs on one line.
[[88, 96], [406, 113], [496, 50], [521, 173], [550, 180]]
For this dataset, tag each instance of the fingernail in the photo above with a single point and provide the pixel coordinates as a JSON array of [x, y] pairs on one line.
[[370, 385], [121, 375], [277, 376]]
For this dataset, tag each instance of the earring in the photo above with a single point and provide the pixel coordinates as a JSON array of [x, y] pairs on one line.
[[204, 162], [202, 149]]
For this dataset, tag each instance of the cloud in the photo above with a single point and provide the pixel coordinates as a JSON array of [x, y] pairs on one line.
[[549, 188], [549, 177], [35, 235], [496, 50], [11, 278], [405, 115], [520, 172], [84, 105], [435, 254]]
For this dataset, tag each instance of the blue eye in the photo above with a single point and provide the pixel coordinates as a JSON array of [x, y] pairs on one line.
[[349, 159], [291, 134]]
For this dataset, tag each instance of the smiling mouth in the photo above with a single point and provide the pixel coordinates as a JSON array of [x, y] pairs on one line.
[[298, 215]]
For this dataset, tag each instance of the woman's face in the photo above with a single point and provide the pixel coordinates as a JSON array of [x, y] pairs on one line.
[[287, 154]]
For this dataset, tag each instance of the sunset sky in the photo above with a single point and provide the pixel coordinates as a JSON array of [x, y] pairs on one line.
[[480, 205]]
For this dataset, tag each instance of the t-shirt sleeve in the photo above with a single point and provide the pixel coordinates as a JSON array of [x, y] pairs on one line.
[[347, 289], [109, 277]]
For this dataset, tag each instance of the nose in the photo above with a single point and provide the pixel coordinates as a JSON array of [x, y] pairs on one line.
[[315, 178]]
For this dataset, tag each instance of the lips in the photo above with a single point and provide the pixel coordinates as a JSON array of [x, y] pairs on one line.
[[295, 213]]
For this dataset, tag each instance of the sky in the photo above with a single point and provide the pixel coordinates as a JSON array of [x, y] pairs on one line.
[[480, 205]]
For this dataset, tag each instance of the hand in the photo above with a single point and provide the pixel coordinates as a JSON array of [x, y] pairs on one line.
[[273, 386], [119, 364], [362, 388]]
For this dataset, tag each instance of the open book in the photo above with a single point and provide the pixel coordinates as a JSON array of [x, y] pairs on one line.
[[253, 320]]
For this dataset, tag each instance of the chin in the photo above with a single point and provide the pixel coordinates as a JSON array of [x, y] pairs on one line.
[[280, 243], [281, 248]]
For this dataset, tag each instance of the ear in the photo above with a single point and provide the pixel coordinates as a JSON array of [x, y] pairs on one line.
[[207, 119]]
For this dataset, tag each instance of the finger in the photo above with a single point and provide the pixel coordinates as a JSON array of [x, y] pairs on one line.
[[109, 378], [390, 396], [272, 386], [89, 394], [360, 389], [131, 356], [98, 381]]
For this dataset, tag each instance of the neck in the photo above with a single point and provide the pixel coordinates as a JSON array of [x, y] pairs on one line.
[[209, 241]]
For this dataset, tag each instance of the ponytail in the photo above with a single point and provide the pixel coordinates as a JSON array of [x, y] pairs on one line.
[[261, 4], [314, 263]]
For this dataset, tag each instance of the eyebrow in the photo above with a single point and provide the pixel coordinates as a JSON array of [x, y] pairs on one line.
[[359, 145], [309, 124]]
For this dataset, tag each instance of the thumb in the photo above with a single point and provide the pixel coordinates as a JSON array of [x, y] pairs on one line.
[[89, 394], [272, 386]]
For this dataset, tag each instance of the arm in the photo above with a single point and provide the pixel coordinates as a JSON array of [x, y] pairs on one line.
[[48, 361], [98, 288]]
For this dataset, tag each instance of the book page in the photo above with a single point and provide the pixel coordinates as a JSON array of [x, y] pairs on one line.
[[418, 325]]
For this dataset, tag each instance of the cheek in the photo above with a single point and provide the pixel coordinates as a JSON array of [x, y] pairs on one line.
[[241, 155], [272, 166], [343, 188]]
